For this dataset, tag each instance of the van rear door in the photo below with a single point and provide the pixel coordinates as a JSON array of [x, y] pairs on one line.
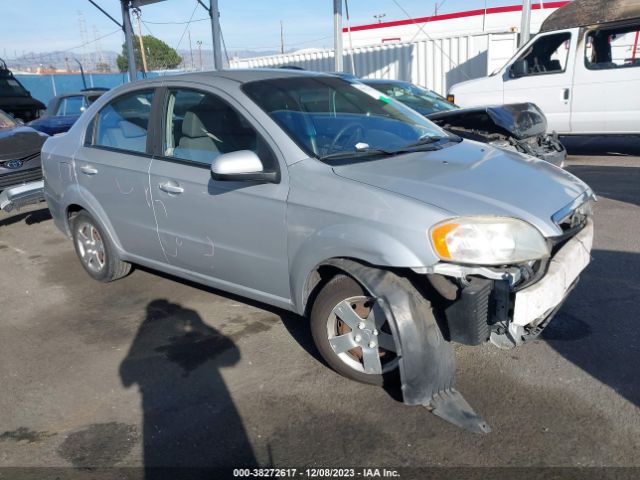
[[542, 74]]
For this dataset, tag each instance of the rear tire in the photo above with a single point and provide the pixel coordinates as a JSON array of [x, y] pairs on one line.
[[95, 250], [352, 342]]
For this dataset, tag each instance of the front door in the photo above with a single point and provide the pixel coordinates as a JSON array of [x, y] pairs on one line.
[[231, 235], [113, 167], [548, 80]]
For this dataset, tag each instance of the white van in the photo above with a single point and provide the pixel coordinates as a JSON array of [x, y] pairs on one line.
[[582, 70]]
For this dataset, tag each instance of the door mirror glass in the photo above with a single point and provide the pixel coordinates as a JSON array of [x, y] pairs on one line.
[[242, 165], [520, 68]]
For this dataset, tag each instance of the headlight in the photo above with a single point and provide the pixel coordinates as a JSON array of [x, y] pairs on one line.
[[487, 241]]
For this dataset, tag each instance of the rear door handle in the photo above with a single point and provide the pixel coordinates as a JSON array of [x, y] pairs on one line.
[[566, 93], [87, 170], [170, 188]]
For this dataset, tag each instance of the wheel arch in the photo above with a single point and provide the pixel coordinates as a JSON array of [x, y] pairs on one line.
[[79, 199]]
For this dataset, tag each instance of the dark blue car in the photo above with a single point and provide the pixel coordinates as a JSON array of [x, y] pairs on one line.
[[63, 110]]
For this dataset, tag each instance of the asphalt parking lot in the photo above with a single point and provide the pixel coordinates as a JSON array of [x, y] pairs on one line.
[[154, 371]]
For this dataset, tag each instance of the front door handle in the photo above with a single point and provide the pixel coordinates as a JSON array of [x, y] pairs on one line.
[[170, 188], [87, 170], [566, 94]]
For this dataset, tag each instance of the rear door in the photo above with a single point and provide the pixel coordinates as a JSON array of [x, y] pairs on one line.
[[113, 166], [226, 233], [548, 80], [607, 81]]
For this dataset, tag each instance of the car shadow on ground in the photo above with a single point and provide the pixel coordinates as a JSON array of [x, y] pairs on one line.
[[601, 145], [31, 218], [597, 329], [617, 183], [189, 417]]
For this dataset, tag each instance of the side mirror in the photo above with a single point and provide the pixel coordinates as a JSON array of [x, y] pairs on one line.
[[243, 165], [520, 68]]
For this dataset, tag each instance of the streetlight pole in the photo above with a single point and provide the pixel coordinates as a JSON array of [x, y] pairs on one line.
[[525, 27], [337, 34]]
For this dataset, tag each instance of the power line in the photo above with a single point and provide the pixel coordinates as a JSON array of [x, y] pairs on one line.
[[421, 28], [179, 23], [187, 26]]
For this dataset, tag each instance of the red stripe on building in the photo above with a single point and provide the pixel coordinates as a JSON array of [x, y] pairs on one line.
[[451, 16]]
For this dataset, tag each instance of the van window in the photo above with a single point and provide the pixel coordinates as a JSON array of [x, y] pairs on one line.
[[548, 54], [612, 48]]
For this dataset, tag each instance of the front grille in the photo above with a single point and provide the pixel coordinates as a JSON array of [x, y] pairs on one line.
[[21, 176]]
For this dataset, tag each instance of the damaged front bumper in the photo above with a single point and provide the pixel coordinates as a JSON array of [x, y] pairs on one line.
[[513, 305], [19, 196]]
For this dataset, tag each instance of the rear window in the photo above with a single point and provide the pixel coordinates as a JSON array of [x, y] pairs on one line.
[[124, 122], [610, 48]]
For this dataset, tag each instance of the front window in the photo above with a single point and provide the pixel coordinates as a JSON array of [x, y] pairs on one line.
[[6, 121], [612, 48], [329, 116], [200, 126], [548, 54], [421, 100], [124, 122]]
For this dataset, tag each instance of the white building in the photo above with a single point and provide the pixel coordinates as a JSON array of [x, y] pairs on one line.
[[433, 52], [470, 22]]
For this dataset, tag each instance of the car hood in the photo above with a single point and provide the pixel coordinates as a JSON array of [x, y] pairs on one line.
[[470, 178], [519, 120], [19, 142]]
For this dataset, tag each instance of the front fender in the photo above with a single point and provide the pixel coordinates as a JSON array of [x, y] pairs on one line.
[[359, 242]]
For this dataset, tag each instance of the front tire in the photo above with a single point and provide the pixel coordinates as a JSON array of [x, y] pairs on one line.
[[351, 332], [95, 251]]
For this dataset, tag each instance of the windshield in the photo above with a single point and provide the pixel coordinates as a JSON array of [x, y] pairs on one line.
[[10, 87], [6, 121], [422, 100], [330, 116]]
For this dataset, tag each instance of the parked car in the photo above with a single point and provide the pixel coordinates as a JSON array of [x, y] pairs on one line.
[[322, 196], [19, 152], [582, 70], [15, 99], [63, 110], [521, 127]]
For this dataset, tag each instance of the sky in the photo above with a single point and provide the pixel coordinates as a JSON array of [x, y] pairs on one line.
[[45, 25]]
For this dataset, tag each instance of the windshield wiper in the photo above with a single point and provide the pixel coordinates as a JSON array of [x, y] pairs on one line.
[[365, 152], [425, 140]]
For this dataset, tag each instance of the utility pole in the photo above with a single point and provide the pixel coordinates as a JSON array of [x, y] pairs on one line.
[[337, 34], [199, 43], [136, 12], [128, 35], [191, 50], [525, 27], [214, 13], [281, 38]]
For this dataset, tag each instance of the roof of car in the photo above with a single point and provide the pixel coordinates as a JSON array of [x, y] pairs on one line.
[[382, 80], [240, 75], [580, 13]]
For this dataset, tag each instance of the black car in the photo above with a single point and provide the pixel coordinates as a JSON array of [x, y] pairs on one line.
[[15, 99], [19, 152], [521, 126], [63, 110]]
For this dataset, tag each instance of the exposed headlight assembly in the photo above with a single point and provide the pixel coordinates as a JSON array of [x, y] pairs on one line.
[[487, 241]]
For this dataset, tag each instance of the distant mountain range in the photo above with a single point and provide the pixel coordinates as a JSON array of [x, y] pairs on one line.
[[66, 61]]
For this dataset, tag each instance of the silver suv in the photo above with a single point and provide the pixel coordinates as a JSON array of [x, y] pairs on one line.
[[323, 196]]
